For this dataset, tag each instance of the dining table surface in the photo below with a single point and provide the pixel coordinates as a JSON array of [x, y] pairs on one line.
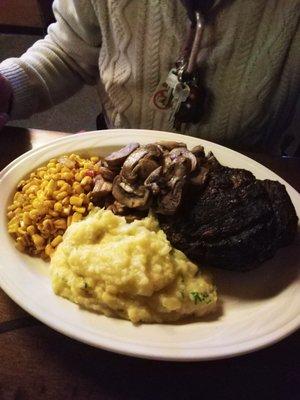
[[36, 362]]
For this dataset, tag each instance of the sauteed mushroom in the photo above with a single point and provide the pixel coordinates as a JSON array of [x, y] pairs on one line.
[[169, 202], [141, 162], [157, 171], [132, 197], [198, 151], [128, 170], [169, 145], [154, 179], [184, 154], [107, 173], [117, 158], [101, 188]]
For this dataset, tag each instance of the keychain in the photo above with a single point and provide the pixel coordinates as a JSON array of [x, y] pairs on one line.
[[188, 100], [181, 93]]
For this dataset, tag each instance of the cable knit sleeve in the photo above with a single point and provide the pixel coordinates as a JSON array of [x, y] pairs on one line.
[[55, 67]]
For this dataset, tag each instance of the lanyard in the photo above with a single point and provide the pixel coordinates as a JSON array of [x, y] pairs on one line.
[[188, 57], [182, 94]]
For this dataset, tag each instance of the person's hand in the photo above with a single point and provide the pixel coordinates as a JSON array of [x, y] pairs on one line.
[[5, 99]]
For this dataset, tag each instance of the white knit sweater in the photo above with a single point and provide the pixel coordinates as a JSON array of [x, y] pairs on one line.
[[250, 58]]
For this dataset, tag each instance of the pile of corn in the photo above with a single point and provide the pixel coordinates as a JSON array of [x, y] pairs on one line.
[[48, 201]]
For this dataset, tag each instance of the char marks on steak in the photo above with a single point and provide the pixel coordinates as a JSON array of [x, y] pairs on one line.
[[234, 221]]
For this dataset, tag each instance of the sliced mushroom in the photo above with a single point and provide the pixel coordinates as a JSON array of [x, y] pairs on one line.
[[101, 189], [126, 186], [128, 170], [117, 208], [153, 180], [145, 167], [117, 158], [176, 168], [169, 145], [183, 152], [169, 203], [134, 197], [107, 173], [153, 150], [198, 151]]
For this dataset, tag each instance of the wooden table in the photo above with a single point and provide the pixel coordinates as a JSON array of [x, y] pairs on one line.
[[39, 363]]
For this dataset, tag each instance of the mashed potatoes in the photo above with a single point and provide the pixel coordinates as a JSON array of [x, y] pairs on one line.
[[128, 270]]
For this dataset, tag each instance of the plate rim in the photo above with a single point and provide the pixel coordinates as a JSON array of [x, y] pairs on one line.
[[229, 351]]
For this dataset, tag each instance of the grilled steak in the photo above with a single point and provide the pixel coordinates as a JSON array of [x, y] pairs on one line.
[[234, 221]]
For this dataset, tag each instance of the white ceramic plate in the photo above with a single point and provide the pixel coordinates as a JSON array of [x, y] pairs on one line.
[[260, 307]]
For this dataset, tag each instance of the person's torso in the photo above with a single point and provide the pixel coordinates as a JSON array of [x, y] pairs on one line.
[[244, 60]]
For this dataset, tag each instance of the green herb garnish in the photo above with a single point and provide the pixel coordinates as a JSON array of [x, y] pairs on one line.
[[197, 297]]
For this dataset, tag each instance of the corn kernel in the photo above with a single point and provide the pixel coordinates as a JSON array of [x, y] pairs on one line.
[[13, 228], [60, 224], [41, 174], [87, 180], [65, 201], [48, 203], [37, 203], [58, 207], [73, 157], [55, 242], [66, 188], [66, 211], [51, 164], [20, 244], [81, 210], [22, 231], [12, 207], [31, 230], [78, 189], [49, 250], [38, 240], [61, 195], [47, 224], [32, 189], [76, 217], [54, 214], [78, 177], [10, 214], [33, 214], [67, 176], [26, 218], [76, 201], [60, 183]]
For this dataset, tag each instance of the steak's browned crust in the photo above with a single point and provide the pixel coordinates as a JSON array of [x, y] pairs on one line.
[[234, 222]]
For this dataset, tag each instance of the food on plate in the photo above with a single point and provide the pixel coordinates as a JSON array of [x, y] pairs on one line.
[[129, 270], [48, 201], [136, 178], [216, 215], [234, 221]]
